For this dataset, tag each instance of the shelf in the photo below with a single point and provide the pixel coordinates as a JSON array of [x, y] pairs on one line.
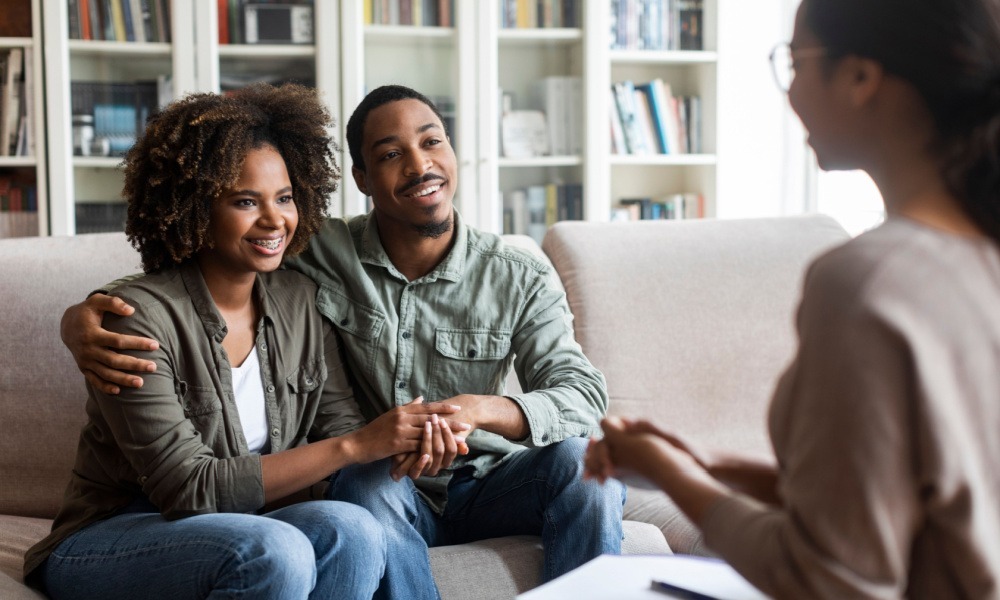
[[540, 161], [97, 162], [408, 33], [540, 36], [663, 57], [16, 42], [266, 51], [17, 161], [100, 48], [663, 160]]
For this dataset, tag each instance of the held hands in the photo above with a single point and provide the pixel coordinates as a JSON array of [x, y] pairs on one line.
[[93, 347], [438, 448], [412, 431]]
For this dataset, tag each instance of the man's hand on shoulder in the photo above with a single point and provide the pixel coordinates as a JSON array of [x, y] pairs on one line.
[[93, 347]]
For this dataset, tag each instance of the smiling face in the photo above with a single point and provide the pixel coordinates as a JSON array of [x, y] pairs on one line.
[[252, 223], [410, 169]]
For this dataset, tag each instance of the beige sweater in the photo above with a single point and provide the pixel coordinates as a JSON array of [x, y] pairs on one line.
[[886, 428]]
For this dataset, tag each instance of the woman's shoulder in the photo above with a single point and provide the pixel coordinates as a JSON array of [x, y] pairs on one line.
[[150, 289], [289, 283], [899, 265]]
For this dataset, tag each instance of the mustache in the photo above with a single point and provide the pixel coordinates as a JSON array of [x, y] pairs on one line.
[[429, 176]]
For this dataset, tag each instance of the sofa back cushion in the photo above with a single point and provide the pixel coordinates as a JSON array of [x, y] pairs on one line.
[[690, 321], [42, 394]]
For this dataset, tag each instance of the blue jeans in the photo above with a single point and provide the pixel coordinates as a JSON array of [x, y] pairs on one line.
[[318, 549], [538, 491]]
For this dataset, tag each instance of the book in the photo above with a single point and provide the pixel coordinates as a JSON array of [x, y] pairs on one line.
[[618, 145], [632, 576], [10, 100]]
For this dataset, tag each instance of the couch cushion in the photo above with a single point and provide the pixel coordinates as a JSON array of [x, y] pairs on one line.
[[41, 392], [17, 534], [501, 568], [690, 321]]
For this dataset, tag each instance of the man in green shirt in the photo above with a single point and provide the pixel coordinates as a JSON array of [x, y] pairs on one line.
[[426, 306]]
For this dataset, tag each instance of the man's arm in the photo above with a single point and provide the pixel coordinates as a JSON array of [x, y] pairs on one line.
[[564, 394], [94, 348]]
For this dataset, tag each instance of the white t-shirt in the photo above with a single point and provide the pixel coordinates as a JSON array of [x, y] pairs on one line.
[[248, 388]]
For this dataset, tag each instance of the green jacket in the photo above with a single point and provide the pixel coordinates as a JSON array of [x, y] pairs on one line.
[[485, 308], [178, 440]]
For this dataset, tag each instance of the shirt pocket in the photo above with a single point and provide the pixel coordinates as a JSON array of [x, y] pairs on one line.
[[359, 326], [468, 361], [203, 407], [299, 406]]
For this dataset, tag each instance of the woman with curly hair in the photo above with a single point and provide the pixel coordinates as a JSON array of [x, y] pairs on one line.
[[886, 424], [249, 401]]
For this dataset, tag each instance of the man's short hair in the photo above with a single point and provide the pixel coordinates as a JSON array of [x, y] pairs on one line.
[[376, 98]]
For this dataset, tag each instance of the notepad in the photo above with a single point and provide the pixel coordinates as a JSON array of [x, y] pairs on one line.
[[629, 577]]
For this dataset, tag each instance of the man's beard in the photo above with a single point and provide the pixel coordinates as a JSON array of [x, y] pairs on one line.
[[434, 229]]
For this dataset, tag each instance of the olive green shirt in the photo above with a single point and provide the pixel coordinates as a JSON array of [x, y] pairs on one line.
[[178, 440], [459, 329]]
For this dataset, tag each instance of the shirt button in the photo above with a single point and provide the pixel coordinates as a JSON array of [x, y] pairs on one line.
[[401, 385], [472, 353], [406, 335], [309, 381], [275, 432], [263, 345], [344, 321], [270, 389], [143, 480]]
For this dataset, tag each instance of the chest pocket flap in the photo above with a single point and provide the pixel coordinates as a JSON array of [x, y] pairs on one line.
[[472, 344], [307, 378], [347, 315]]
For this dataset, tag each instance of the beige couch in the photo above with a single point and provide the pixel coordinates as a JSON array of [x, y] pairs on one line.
[[690, 321]]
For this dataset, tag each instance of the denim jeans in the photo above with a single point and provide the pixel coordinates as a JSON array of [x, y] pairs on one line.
[[318, 549], [538, 491]]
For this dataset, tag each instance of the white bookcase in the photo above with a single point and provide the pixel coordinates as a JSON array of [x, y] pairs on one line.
[[30, 168], [468, 63]]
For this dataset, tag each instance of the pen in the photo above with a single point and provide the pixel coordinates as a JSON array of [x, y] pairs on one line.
[[678, 592]]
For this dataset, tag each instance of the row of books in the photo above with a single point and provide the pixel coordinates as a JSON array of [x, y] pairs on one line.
[[119, 109], [100, 217], [657, 25], [120, 20], [421, 13], [529, 14], [549, 122], [532, 210], [649, 119], [265, 21], [16, 102], [673, 206], [18, 207]]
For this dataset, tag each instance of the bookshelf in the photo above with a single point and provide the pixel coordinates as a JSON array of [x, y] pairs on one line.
[[23, 180], [462, 60], [437, 57]]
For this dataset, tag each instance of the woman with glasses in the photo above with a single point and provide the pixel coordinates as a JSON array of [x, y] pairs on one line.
[[886, 427]]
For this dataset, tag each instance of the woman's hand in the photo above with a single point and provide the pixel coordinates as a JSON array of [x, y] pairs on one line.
[[631, 447], [440, 444], [402, 430], [93, 347]]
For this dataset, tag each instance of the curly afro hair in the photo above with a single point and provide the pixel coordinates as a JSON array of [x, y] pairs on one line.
[[193, 150]]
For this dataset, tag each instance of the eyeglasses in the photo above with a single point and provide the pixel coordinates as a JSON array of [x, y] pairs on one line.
[[783, 59]]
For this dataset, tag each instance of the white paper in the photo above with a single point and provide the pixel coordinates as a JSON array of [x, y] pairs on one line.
[[629, 577]]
